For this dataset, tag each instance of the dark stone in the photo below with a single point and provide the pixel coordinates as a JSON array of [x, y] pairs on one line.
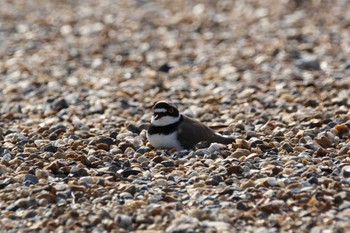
[[6, 182], [236, 169], [157, 159], [131, 190], [202, 145], [255, 143], [143, 149], [59, 104], [241, 206], [276, 170], [308, 63], [346, 171], [214, 180], [124, 145], [134, 128], [30, 179], [127, 173], [313, 180], [30, 214], [114, 134], [50, 148], [53, 137], [164, 68], [77, 172], [109, 141], [126, 164], [287, 147], [168, 163]]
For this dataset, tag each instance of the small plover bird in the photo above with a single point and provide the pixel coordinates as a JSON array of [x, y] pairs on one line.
[[171, 129]]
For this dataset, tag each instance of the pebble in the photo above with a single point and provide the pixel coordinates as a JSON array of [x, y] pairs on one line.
[[76, 171], [30, 179], [345, 171], [308, 62], [240, 153], [87, 180]]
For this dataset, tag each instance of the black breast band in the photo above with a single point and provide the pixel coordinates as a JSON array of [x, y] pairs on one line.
[[166, 129]]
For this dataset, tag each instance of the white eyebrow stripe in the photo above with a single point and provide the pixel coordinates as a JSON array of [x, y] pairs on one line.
[[160, 110]]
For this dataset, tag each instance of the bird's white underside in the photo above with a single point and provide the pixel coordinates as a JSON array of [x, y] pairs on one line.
[[164, 141]]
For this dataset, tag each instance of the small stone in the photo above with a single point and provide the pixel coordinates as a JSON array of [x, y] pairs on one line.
[[87, 180], [345, 171], [308, 62], [130, 173], [247, 184], [272, 206], [201, 152], [287, 147], [125, 196], [30, 179], [3, 169], [7, 181], [77, 171], [168, 163], [103, 146], [165, 68], [108, 140], [143, 149], [241, 206], [50, 148], [133, 128], [240, 152], [59, 104], [124, 221], [215, 147], [124, 145], [342, 129], [49, 197], [236, 169], [252, 156], [218, 226], [323, 141], [131, 189], [214, 180], [157, 159]]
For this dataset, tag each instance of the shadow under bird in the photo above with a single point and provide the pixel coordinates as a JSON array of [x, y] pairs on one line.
[[171, 129]]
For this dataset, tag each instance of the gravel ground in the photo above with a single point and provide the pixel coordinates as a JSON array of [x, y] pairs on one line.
[[79, 78]]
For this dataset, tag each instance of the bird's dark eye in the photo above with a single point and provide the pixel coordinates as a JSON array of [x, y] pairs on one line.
[[171, 110]]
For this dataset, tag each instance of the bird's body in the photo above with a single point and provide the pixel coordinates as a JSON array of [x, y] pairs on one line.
[[170, 129]]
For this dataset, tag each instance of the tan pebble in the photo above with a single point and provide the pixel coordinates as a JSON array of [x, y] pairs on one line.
[[299, 148], [252, 156], [247, 184], [272, 207], [242, 143], [60, 155], [288, 171], [78, 188], [14, 161], [239, 153], [53, 166], [48, 196], [30, 150], [103, 146], [41, 174]]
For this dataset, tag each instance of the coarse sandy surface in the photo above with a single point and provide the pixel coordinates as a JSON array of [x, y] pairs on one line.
[[77, 83]]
